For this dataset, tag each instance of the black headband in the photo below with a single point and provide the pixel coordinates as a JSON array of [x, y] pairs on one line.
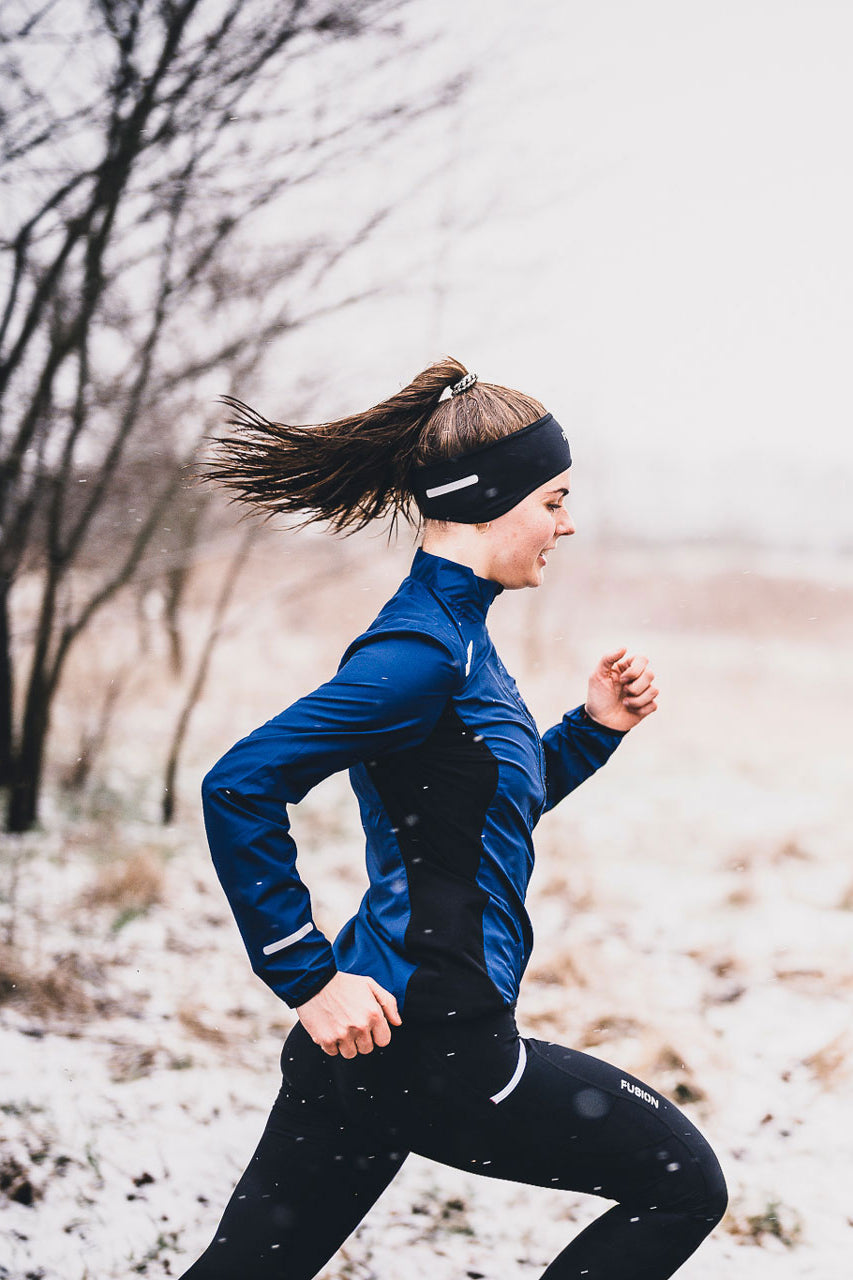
[[488, 481]]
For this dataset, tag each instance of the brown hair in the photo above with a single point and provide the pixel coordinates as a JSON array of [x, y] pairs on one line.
[[357, 469]]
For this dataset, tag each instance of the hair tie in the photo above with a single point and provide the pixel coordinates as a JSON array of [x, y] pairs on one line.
[[463, 384]]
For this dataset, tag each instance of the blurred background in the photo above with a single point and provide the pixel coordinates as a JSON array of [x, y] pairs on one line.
[[639, 215]]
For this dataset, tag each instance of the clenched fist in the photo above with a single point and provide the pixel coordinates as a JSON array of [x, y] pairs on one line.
[[351, 1014], [621, 691]]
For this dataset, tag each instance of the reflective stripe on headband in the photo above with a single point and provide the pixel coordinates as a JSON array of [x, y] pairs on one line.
[[441, 489], [485, 482]]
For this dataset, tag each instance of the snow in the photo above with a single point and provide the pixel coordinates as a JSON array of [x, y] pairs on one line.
[[692, 907]]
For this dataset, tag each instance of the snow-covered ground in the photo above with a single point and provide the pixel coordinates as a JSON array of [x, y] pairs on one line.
[[693, 907]]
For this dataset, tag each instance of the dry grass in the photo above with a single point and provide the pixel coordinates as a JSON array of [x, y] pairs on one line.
[[561, 969], [575, 892], [674, 1077], [846, 902], [190, 1020], [15, 1181], [136, 884], [831, 1064], [743, 896], [60, 990], [775, 1220], [792, 850], [132, 1062], [606, 1030]]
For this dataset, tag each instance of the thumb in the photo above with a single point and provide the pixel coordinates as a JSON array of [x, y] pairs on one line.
[[387, 1002]]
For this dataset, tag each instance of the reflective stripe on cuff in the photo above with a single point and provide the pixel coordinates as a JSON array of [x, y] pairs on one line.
[[289, 940]]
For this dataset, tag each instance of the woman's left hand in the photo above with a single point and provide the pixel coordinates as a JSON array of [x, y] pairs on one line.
[[621, 691]]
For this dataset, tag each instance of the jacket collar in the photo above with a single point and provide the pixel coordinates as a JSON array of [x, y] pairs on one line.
[[455, 583]]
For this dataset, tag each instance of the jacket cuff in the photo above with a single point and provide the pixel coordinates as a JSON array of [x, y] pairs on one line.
[[310, 986], [606, 735]]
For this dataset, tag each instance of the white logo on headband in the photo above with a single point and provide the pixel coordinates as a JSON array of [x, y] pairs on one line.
[[452, 487]]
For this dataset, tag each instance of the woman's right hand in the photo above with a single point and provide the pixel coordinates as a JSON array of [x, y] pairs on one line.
[[350, 1015]]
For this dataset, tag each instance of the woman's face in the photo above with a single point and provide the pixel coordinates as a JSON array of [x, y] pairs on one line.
[[519, 541]]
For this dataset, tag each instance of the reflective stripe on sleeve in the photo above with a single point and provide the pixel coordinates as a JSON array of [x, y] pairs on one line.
[[289, 940]]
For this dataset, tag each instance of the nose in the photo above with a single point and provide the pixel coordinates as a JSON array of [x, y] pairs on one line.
[[566, 524]]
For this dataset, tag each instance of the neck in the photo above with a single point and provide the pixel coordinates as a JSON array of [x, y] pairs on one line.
[[463, 543]]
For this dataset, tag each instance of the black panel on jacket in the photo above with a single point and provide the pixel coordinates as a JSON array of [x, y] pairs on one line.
[[437, 796]]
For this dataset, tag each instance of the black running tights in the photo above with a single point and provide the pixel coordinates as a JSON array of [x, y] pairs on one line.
[[474, 1095]]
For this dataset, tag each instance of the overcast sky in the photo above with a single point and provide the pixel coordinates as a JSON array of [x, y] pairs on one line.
[[639, 212]]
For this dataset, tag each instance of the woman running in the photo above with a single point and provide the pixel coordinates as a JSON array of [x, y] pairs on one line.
[[406, 1038]]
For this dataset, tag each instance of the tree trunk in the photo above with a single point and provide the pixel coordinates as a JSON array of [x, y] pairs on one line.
[[28, 760], [197, 684], [28, 752], [176, 579], [6, 685]]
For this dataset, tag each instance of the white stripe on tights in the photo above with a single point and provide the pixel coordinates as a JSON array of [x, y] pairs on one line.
[[517, 1074]]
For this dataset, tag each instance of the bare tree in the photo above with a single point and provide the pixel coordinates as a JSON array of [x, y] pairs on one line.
[[196, 685], [144, 147]]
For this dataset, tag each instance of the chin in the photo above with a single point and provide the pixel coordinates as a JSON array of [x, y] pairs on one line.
[[517, 579], [533, 579]]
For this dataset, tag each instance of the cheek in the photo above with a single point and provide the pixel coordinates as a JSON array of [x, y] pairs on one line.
[[522, 541], [542, 530], [530, 540]]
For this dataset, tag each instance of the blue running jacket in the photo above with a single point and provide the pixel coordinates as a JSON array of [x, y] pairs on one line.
[[451, 777]]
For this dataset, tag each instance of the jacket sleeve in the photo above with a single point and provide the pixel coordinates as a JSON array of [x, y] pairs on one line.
[[574, 749], [387, 696]]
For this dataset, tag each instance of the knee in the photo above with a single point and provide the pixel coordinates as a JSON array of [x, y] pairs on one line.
[[716, 1192], [706, 1195], [694, 1184]]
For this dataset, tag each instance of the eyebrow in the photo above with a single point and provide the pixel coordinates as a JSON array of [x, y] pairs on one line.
[[563, 492]]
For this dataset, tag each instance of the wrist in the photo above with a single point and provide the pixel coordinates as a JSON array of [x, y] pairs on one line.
[[588, 719], [308, 990]]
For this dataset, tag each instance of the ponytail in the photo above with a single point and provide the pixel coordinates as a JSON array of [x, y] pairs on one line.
[[358, 469]]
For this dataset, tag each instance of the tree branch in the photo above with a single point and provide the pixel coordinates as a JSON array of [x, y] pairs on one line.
[[229, 582], [117, 580]]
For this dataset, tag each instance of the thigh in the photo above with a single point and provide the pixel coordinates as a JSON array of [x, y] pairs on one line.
[[313, 1177], [536, 1112]]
